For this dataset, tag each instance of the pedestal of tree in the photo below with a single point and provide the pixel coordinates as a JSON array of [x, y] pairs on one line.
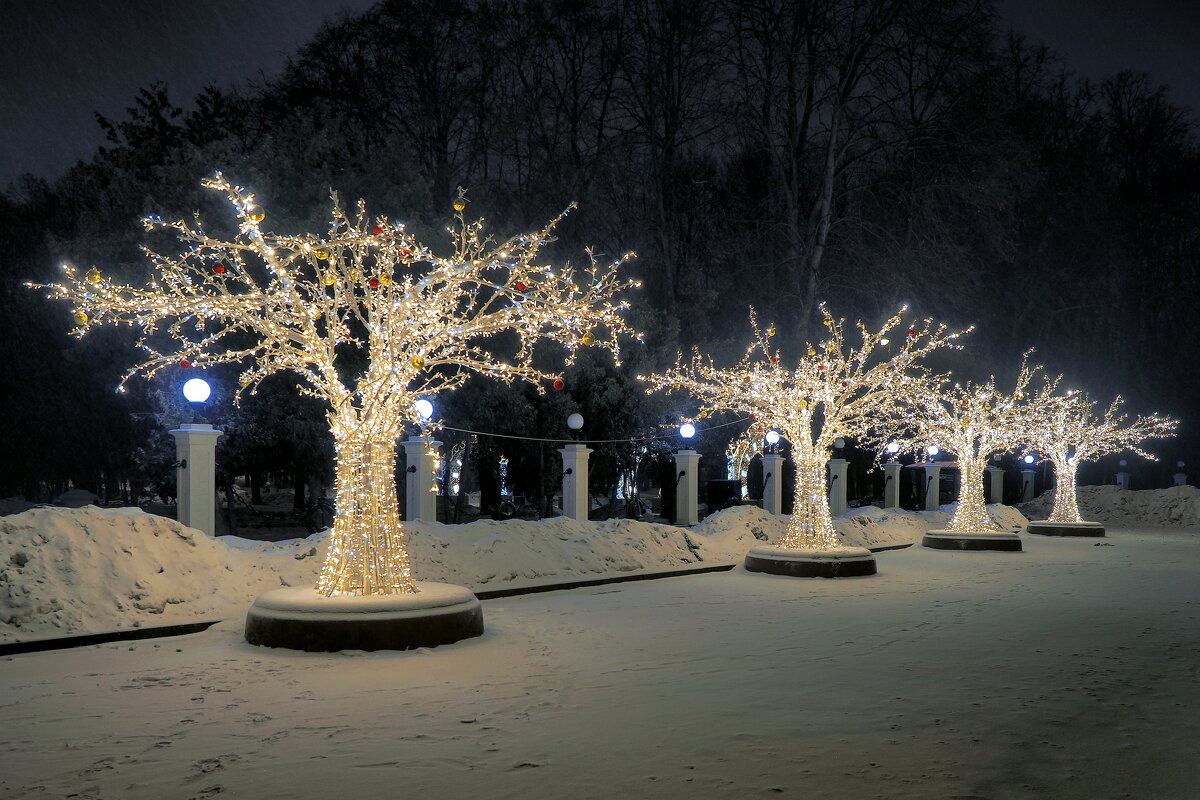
[[1048, 528], [959, 540], [844, 562], [300, 618]]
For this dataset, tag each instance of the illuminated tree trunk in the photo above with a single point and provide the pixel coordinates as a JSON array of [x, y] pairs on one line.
[[367, 553], [971, 514], [811, 524], [1066, 505]]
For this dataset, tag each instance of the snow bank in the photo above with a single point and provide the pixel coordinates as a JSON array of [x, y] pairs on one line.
[[1178, 506], [66, 571]]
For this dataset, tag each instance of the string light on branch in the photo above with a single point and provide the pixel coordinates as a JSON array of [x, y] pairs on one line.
[[369, 319], [837, 390]]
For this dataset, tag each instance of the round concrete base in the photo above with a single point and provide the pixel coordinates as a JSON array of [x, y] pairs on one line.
[[959, 540], [843, 563], [302, 619], [1046, 528]]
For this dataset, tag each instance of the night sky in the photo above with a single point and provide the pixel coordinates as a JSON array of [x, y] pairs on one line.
[[65, 59]]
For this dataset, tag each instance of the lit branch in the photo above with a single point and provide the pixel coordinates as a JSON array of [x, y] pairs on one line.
[[369, 319], [835, 390]]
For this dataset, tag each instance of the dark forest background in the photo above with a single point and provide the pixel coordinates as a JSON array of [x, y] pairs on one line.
[[768, 152]]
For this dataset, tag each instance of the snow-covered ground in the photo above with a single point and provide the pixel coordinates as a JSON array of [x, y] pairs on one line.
[[1067, 671], [93, 570]]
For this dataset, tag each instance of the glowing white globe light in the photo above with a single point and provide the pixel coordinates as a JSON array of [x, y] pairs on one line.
[[424, 408], [893, 447], [687, 430], [772, 437], [885, 341], [839, 443], [1028, 459], [196, 390], [933, 449], [575, 421]]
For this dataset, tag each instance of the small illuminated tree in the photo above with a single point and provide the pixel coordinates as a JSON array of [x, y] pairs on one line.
[[974, 421], [370, 320], [834, 390], [1068, 430]]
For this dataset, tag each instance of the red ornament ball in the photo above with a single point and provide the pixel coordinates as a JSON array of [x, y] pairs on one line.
[[377, 230], [520, 286], [373, 283], [219, 269], [185, 363], [558, 384], [821, 367], [774, 360], [845, 384]]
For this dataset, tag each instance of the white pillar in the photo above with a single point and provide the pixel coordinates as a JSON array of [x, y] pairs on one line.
[[995, 485], [687, 468], [1180, 479], [932, 475], [1027, 476], [575, 481], [1123, 479], [420, 499], [891, 484], [772, 500], [196, 475], [837, 486]]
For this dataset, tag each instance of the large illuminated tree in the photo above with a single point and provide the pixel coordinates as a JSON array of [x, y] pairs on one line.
[[833, 390], [974, 421], [1070, 429], [370, 320]]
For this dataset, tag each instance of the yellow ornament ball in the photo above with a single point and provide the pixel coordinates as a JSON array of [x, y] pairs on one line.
[[321, 253], [588, 339], [385, 279], [257, 215], [459, 205], [329, 279], [771, 331], [94, 276], [81, 318], [417, 362], [355, 275], [804, 404]]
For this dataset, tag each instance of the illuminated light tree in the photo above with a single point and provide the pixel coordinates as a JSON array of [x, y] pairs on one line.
[[835, 390], [1068, 430], [370, 320], [975, 421]]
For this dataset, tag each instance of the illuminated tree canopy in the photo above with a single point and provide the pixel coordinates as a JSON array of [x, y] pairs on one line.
[[974, 421], [1069, 429], [370, 319], [833, 390]]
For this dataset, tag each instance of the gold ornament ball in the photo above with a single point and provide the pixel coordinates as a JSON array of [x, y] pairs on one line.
[[257, 215], [81, 318], [588, 339], [329, 279], [459, 205], [417, 362], [771, 331], [321, 253], [94, 276], [386, 280]]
